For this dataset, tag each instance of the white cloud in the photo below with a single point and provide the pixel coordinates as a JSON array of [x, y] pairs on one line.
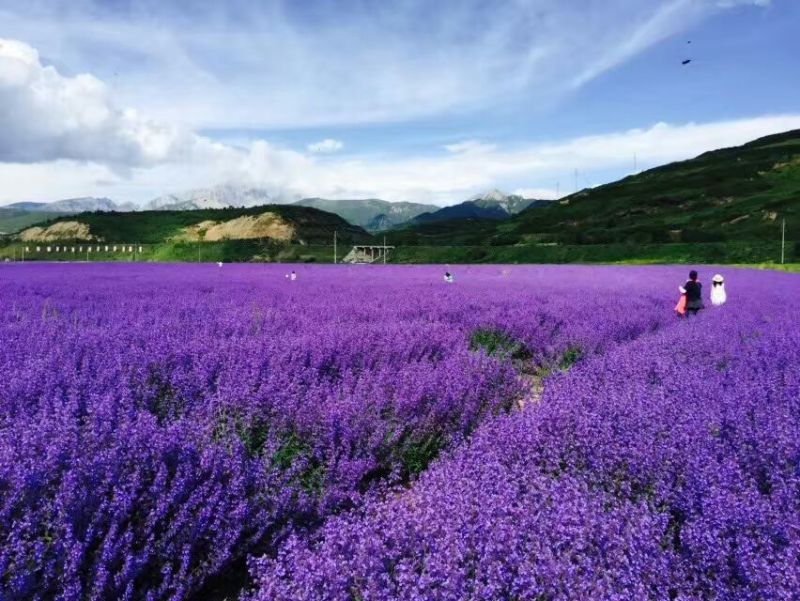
[[539, 193], [63, 135], [454, 176], [444, 178], [46, 116], [325, 146]]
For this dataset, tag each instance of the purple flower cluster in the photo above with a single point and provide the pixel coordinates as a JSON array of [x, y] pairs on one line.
[[159, 424], [666, 467]]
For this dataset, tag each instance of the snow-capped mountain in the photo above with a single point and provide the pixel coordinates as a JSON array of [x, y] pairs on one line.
[[73, 205], [496, 199], [493, 194], [222, 196]]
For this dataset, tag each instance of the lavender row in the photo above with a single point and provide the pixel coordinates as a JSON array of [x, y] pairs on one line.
[[667, 468], [159, 424]]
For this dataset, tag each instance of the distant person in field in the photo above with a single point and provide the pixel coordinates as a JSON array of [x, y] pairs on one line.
[[448, 277], [718, 294], [291, 276], [694, 294], [680, 308]]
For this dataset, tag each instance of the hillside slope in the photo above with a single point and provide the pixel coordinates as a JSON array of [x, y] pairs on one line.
[[279, 223], [725, 195]]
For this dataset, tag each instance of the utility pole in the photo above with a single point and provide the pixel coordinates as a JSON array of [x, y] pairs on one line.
[[635, 164], [384, 250], [783, 240], [334, 247]]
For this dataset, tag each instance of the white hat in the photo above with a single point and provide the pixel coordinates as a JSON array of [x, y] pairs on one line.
[[718, 279]]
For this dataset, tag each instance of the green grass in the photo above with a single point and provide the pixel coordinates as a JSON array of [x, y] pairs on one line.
[[497, 344], [721, 252], [754, 254], [229, 251], [787, 267]]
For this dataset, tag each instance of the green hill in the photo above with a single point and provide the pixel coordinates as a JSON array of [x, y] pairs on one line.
[[282, 233], [725, 195], [279, 223], [724, 198]]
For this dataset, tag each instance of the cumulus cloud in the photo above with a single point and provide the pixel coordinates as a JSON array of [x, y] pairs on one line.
[[46, 116], [452, 176], [442, 178], [325, 146]]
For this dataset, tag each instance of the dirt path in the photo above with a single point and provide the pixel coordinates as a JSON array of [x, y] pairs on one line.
[[532, 379]]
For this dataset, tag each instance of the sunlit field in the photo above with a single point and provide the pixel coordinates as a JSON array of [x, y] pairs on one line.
[[373, 432]]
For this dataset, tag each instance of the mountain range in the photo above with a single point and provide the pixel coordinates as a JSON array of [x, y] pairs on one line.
[[19, 215], [373, 214], [72, 205], [493, 204], [732, 198], [222, 196]]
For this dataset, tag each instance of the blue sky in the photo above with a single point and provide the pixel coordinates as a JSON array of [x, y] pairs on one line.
[[405, 100]]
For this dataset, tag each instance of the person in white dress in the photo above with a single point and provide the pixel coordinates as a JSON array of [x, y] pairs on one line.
[[718, 294]]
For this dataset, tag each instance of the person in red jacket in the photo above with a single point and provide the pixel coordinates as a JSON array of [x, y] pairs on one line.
[[680, 308]]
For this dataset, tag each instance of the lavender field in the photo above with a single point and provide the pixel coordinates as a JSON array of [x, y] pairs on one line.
[[373, 433]]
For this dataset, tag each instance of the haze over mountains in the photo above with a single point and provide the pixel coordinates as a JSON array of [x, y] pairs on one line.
[[373, 214], [73, 205]]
